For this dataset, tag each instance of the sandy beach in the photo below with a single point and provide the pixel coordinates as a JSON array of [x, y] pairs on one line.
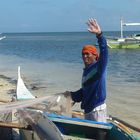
[[124, 104], [7, 88]]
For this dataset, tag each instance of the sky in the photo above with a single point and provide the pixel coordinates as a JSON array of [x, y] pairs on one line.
[[66, 15]]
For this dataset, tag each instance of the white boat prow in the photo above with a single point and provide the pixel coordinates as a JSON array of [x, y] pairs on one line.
[[22, 92]]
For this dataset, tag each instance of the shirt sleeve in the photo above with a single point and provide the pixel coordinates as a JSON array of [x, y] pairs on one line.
[[77, 95], [102, 62]]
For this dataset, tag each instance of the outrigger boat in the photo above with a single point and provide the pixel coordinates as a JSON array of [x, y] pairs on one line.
[[53, 126], [132, 42]]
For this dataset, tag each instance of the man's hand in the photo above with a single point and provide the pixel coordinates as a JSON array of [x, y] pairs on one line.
[[67, 94], [94, 27]]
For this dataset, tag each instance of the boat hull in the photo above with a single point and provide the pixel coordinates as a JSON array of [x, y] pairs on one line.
[[90, 129], [77, 129], [114, 44]]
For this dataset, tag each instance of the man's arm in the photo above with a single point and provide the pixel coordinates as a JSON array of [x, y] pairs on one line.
[[95, 28], [103, 58], [77, 95]]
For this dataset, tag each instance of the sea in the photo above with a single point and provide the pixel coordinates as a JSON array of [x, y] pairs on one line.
[[52, 62]]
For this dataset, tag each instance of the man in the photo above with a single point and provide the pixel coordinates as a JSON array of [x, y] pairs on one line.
[[92, 95]]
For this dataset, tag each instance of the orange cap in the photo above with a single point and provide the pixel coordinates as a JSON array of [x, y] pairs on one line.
[[90, 49]]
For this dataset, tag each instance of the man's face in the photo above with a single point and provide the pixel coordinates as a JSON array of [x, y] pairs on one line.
[[88, 58]]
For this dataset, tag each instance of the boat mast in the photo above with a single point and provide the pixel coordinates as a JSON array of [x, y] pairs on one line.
[[127, 24], [121, 28]]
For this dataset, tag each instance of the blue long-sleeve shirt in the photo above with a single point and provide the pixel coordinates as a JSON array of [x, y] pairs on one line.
[[93, 91]]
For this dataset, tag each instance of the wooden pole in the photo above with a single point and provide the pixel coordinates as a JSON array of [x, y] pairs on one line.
[[125, 123], [5, 101], [14, 125]]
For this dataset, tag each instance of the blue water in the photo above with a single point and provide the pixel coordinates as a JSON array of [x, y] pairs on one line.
[[46, 46], [123, 66]]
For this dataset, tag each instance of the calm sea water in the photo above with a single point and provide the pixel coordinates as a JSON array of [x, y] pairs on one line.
[[53, 61], [123, 66]]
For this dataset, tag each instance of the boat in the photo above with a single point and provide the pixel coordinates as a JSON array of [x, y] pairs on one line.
[[53, 126], [131, 42], [2, 37], [136, 36], [58, 127]]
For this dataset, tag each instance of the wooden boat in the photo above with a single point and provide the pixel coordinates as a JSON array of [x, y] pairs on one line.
[[132, 42], [52, 126], [58, 127]]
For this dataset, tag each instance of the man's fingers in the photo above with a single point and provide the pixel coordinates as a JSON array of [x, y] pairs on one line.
[[92, 21]]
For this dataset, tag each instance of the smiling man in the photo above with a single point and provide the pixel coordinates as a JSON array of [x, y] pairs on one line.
[[92, 94]]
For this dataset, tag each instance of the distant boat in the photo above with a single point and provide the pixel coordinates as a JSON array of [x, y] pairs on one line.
[[136, 36], [132, 42], [2, 37]]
